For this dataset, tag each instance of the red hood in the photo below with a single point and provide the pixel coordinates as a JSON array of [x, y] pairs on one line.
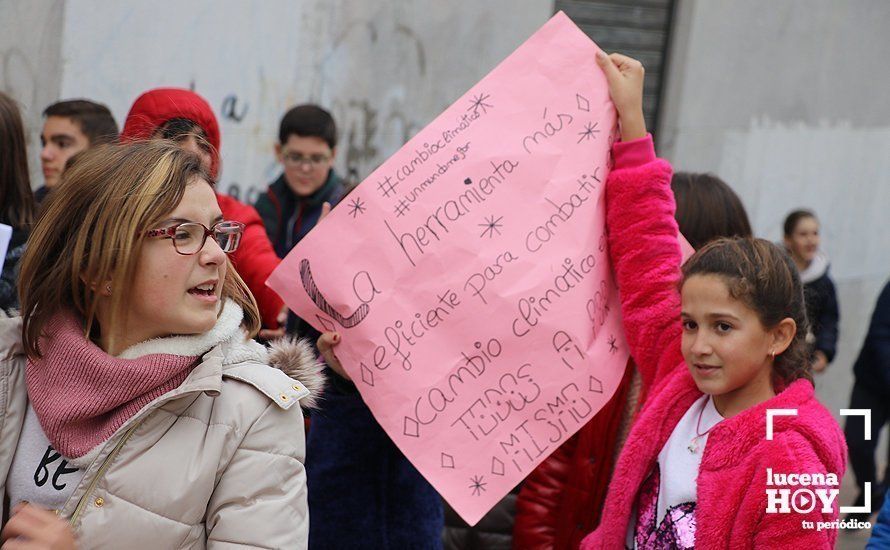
[[155, 107]]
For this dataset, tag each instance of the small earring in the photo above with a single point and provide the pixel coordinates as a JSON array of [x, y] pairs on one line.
[[772, 354], [108, 288]]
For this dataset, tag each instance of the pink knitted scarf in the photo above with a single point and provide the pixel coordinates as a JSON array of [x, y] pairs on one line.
[[82, 395]]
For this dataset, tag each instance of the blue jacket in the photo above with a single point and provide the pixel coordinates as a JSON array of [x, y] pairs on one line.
[[880, 534]]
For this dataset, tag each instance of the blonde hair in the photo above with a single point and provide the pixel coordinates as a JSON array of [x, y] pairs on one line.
[[89, 231]]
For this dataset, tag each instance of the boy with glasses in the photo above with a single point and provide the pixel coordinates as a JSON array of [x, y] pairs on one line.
[[307, 144], [390, 504]]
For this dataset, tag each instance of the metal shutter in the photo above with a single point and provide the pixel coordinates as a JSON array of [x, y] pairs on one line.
[[638, 28]]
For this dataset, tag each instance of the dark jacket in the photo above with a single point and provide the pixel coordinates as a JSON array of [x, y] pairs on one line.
[[363, 492], [872, 367], [288, 218], [822, 308]]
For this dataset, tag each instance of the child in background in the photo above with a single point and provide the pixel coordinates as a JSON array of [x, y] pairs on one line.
[[802, 241], [307, 188], [69, 127], [137, 412], [293, 204], [717, 344]]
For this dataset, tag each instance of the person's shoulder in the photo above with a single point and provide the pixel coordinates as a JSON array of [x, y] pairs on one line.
[[340, 185], [809, 413], [266, 205], [273, 189], [288, 375], [262, 385], [259, 406], [254, 396]]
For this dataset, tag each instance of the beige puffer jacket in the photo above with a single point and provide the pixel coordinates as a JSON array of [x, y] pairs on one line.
[[215, 463]]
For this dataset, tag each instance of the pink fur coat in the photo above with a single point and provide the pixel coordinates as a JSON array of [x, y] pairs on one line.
[[732, 480]]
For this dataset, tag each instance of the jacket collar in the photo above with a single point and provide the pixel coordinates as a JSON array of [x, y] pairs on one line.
[[225, 349], [296, 372], [228, 326]]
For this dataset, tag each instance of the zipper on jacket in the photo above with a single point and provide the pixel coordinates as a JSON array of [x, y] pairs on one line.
[[101, 471]]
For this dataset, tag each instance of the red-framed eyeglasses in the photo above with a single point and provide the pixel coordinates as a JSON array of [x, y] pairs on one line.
[[189, 237]]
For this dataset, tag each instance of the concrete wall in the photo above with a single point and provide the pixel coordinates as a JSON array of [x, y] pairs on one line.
[[786, 101], [385, 68]]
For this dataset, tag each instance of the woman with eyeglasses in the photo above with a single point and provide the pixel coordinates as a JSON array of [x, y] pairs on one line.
[[135, 410]]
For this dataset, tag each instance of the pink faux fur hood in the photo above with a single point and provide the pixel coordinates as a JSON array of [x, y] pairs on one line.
[[732, 480]]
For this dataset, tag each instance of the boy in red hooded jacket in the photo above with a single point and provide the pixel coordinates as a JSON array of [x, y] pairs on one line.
[[178, 114]]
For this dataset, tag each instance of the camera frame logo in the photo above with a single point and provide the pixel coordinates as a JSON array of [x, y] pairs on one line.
[[804, 492]]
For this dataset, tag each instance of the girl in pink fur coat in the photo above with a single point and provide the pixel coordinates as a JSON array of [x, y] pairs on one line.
[[718, 343]]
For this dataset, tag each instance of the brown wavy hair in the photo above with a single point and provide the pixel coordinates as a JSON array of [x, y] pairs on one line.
[[763, 277], [88, 230]]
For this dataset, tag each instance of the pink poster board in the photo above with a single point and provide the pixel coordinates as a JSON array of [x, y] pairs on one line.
[[469, 276]]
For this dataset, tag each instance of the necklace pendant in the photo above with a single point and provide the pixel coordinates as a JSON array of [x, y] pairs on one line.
[[693, 446]]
